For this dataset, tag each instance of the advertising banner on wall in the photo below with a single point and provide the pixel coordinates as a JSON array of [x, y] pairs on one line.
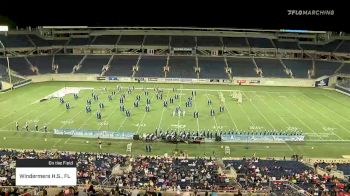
[[152, 79], [112, 78], [241, 81], [254, 81], [101, 78]]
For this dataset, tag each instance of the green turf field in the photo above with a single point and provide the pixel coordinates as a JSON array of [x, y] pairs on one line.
[[322, 115]]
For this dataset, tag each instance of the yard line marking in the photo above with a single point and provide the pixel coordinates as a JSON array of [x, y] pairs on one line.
[[328, 109], [25, 106], [30, 113], [243, 111], [334, 99], [273, 111], [54, 145], [228, 111], [161, 117], [178, 120], [216, 124], [302, 122], [323, 125], [290, 148], [132, 109], [144, 115], [261, 114], [195, 107]]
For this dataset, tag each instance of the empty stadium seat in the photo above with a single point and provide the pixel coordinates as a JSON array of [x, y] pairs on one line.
[[13, 41], [105, 40], [344, 47], [299, 67], [93, 64], [182, 67], [325, 68], [183, 41], [44, 63], [131, 40], [260, 42], [21, 66], [242, 67], [235, 42], [271, 67], [67, 62], [151, 66], [209, 41], [122, 65], [154, 40], [212, 68]]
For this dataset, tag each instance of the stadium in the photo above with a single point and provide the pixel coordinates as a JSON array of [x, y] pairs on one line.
[[177, 110]]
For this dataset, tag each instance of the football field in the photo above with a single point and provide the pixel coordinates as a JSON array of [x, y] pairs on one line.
[[322, 115]]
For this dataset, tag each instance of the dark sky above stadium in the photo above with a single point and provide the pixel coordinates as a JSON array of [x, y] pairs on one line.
[[246, 14]]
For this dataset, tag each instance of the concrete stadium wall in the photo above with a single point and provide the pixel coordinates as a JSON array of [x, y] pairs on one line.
[[235, 81], [63, 77], [5, 85]]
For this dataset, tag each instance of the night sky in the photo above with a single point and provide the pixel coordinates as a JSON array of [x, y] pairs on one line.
[[263, 15]]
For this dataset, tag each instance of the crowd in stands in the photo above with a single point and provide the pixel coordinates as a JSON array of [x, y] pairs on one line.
[[345, 84], [282, 176], [154, 174]]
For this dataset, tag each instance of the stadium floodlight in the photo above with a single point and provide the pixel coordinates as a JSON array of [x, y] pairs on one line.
[[4, 28]]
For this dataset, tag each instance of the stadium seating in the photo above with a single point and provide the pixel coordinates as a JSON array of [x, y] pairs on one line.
[[167, 172], [242, 67], [310, 46], [255, 173], [345, 84], [153, 40], [13, 41], [21, 66], [299, 67], [344, 47], [3, 66], [260, 42], [325, 68], [44, 63], [131, 40], [292, 45], [105, 40], [331, 46], [67, 62], [345, 69], [271, 67], [328, 47], [151, 66], [122, 65], [206, 41], [212, 68], [93, 64], [79, 41], [182, 67], [39, 42], [344, 167], [235, 42], [182, 41]]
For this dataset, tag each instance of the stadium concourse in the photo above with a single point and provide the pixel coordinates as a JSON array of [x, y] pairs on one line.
[[177, 111]]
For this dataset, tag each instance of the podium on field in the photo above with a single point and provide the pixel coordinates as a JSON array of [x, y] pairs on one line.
[[128, 147], [227, 150]]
